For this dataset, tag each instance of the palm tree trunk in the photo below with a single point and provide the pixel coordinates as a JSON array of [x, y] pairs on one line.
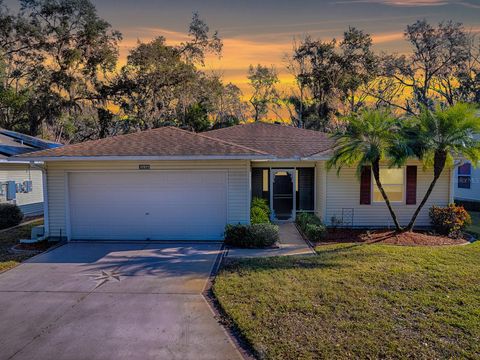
[[376, 175], [438, 166]]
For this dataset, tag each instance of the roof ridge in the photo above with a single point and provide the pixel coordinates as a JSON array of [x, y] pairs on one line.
[[221, 141], [268, 124]]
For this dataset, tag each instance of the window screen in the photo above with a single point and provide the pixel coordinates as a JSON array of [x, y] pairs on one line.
[[305, 189]]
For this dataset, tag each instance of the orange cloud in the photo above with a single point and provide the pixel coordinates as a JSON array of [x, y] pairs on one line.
[[387, 37], [399, 2], [237, 54], [414, 3]]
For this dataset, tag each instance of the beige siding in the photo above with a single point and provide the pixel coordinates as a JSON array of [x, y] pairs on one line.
[[29, 202], [343, 192], [238, 184]]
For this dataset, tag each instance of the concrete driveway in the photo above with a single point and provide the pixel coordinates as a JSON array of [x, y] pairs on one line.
[[112, 301]]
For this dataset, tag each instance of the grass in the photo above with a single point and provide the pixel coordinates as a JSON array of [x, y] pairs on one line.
[[475, 227], [357, 301], [11, 237]]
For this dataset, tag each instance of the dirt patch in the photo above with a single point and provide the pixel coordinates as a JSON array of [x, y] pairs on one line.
[[389, 237]]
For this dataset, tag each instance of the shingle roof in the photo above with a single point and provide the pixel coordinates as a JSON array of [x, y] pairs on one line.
[[160, 142], [279, 140]]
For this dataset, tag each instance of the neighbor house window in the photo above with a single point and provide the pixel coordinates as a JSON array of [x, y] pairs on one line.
[[393, 182], [464, 176]]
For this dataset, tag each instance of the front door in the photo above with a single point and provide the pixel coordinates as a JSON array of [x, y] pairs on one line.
[[282, 196]]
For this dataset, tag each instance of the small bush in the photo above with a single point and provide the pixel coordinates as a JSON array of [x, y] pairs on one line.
[[450, 220], [262, 235], [10, 215], [236, 235], [261, 203], [315, 232], [304, 218], [251, 236], [258, 216], [311, 226]]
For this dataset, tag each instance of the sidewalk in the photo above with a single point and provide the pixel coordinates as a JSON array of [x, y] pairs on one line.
[[291, 243]]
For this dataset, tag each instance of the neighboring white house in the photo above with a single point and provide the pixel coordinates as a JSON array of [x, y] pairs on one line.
[[467, 183], [171, 184], [21, 181]]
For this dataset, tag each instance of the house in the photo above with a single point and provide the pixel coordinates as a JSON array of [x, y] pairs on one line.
[[467, 185], [21, 182], [171, 184]]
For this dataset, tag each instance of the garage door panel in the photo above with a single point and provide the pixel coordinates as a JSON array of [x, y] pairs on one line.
[[165, 205]]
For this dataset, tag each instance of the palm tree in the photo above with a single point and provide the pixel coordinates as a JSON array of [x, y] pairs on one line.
[[437, 137], [370, 137]]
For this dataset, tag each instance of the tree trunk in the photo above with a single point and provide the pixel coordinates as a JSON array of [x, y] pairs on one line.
[[438, 166], [376, 175]]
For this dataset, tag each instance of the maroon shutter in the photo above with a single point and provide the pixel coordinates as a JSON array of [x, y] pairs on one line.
[[366, 186], [411, 198]]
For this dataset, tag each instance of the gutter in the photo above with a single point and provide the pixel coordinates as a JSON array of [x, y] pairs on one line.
[[143, 158], [46, 218], [8, 161], [308, 158]]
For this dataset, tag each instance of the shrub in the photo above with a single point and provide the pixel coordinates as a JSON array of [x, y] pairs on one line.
[[251, 236], [236, 235], [258, 216], [10, 215], [315, 232], [304, 218], [311, 226], [262, 235], [261, 203], [450, 220]]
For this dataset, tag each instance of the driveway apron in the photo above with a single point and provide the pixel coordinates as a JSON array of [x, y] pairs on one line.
[[112, 301]]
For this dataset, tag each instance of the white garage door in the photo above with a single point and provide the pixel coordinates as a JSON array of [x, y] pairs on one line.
[[150, 205]]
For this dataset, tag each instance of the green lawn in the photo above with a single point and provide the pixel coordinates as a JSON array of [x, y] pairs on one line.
[[357, 301], [10, 238]]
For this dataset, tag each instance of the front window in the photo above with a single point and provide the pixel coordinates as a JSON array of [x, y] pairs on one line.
[[464, 176], [393, 182]]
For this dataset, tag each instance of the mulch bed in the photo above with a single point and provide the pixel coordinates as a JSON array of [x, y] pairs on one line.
[[39, 246], [384, 236]]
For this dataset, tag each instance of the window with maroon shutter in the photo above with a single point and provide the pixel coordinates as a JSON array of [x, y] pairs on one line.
[[411, 198], [366, 186]]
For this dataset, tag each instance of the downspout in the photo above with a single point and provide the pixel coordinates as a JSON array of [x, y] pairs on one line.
[[46, 217], [45, 198]]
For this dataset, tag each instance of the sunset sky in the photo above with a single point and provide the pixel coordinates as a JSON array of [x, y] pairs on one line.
[[261, 31]]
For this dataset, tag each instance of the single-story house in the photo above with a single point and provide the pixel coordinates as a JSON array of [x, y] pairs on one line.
[[467, 182], [21, 181], [172, 184]]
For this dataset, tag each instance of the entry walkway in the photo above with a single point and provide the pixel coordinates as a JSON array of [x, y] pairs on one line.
[[291, 243]]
